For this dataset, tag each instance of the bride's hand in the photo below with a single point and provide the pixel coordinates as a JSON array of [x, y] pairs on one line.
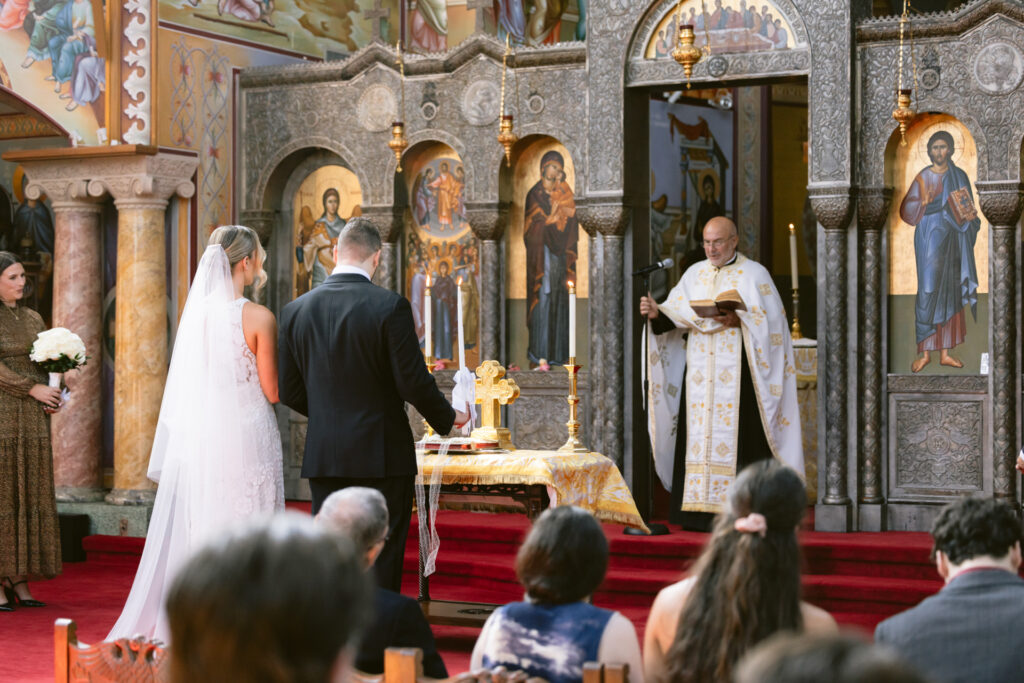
[[48, 396]]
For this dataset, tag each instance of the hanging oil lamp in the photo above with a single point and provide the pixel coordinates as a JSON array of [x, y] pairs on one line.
[[903, 113], [686, 53], [506, 137], [398, 142]]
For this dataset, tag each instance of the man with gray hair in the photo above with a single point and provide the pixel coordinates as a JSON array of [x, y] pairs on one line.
[[349, 359], [361, 514]]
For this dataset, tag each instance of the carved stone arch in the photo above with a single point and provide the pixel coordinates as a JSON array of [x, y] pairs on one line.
[[722, 66], [257, 198], [387, 185], [659, 9]]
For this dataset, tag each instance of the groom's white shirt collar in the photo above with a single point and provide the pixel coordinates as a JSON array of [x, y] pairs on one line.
[[346, 269]]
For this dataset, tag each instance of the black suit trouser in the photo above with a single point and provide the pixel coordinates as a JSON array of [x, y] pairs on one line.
[[398, 492]]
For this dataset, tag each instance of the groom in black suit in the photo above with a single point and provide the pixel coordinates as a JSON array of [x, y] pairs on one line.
[[349, 359]]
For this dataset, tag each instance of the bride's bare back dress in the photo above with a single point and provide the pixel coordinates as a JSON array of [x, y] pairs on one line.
[[217, 449]]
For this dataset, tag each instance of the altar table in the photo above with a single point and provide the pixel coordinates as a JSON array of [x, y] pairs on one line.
[[534, 479]]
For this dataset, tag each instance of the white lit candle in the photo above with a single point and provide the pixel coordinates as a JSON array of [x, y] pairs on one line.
[[428, 342], [572, 319], [462, 344], [792, 255]]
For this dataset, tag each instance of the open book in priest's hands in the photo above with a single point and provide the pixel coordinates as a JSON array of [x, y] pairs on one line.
[[729, 300]]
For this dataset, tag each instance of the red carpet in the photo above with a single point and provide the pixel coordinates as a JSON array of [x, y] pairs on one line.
[[860, 578]]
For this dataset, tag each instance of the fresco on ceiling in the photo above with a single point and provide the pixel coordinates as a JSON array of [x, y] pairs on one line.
[[53, 55], [317, 28]]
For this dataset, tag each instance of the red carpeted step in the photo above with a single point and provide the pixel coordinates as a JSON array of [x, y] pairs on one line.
[[866, 594], [124, 550]]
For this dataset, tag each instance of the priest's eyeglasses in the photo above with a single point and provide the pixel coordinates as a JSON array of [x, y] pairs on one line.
[[716, 243]]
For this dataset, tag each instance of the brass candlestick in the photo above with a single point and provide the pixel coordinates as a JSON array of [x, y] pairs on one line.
[[573, 443], [795, 330], [427, 429]]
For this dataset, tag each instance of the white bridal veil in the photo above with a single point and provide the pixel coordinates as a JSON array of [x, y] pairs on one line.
[[199, 447]]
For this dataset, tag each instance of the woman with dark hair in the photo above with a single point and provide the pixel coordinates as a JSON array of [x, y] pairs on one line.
[[745, 586], [555, 630], [29, 531]]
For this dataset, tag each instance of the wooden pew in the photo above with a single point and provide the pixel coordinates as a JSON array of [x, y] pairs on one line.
[[124, 659]]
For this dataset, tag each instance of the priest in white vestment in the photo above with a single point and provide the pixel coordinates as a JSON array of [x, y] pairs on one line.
[[740, 381]]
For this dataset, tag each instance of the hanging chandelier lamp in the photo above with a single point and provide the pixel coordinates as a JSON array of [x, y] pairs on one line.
[[506, 135], [686, 53], [904, 113], [398, 142]]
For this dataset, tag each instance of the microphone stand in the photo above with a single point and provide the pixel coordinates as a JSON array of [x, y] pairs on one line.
[[656, 529]]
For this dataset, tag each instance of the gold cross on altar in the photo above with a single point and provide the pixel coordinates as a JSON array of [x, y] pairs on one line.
[[492, 392]]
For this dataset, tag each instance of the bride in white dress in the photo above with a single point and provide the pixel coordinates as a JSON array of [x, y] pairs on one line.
[[217, 449]]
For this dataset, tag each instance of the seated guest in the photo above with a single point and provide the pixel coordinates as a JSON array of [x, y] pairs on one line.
[[281, 601], [971, 630], [745, 586], [556, 629], [791, 658], [361, 514]]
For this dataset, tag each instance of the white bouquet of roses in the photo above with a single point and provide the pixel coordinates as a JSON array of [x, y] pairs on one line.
[[56, 351]]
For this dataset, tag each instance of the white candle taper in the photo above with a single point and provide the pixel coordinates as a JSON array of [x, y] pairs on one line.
[[428, 342], [792, 255], [462, 344], [572, 319]]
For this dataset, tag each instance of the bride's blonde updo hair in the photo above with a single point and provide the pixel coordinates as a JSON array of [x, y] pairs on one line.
[[239, 241]]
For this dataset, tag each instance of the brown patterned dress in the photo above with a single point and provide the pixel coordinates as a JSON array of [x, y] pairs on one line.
[[29, 530]]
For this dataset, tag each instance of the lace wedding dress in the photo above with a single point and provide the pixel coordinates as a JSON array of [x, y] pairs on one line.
[[217, 450]]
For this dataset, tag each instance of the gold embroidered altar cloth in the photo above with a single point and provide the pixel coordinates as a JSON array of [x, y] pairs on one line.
[[588, 480]]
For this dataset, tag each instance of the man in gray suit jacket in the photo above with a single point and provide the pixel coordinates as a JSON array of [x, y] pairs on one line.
[[973, 629]]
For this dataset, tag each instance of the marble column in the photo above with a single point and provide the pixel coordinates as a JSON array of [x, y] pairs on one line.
[[76, 431], [614, 358], [872, 211], [388, 221], [488, 221], [595, 307], [608, 218], [140, 194], [1001, 204], [833, 205]]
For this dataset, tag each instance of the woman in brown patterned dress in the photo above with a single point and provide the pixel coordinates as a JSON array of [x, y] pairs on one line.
[[29, 533]]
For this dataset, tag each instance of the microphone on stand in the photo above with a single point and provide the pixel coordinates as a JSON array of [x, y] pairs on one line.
[[656, 529], [647, 270]]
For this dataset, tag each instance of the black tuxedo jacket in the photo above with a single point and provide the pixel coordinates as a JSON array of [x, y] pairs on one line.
[[349, 359], [398, 622]]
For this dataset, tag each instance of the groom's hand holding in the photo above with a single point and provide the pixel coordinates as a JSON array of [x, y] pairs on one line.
[[463, 399]]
